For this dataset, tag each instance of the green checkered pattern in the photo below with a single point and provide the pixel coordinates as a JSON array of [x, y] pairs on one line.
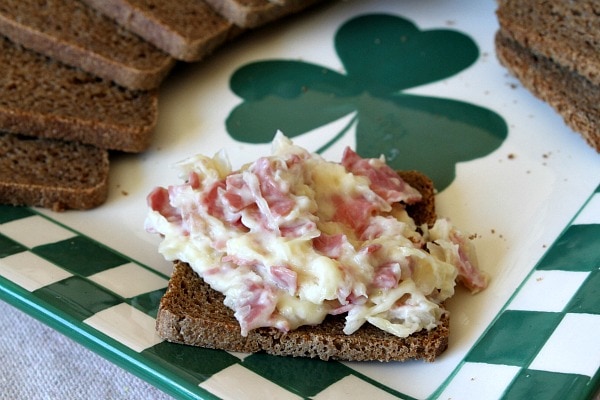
[[554, 315], [86, 290]]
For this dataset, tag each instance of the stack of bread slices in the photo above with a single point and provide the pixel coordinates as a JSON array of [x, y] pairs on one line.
[[79, 80], [553, 48]]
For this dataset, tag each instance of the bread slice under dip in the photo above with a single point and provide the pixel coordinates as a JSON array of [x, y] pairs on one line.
[[254, 13], [44, 98], [192, 313], [77, 35], [553, 48], [187, 30], [52, 173]]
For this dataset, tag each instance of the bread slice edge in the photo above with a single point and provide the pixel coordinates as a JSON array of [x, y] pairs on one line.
[[571, 95], [192, 313]]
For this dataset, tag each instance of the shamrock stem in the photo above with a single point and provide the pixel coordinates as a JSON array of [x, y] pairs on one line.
[[337, 137]]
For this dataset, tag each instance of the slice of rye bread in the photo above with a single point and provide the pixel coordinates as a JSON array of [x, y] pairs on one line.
[[52, 173], [187, 30], [573, 96], [567, 32], [44, 98], [192, 313], [77, 35], [254, 13]]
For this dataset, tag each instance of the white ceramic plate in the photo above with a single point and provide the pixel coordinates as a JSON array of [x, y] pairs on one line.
[[525, 184]]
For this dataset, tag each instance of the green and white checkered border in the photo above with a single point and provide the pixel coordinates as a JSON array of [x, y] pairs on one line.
[[544, 344], [45, 270]]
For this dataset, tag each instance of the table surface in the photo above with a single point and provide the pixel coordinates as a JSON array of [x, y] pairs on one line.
[[39, 362]]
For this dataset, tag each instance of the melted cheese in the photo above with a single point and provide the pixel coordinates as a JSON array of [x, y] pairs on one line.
[[263, 256]]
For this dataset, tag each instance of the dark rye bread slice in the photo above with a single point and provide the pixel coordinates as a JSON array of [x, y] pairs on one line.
[[192, 313], [42, 97], [52, 173], [77, 35], [254, 13], [573, 96], [567, 32], [187, 30]]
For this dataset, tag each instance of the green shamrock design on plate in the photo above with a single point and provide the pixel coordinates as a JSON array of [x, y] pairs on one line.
[[383, 55]]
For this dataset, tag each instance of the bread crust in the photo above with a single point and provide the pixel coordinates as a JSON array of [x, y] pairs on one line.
[[192, 313], [187, 30], [52, 173], [567, 32], [77, 35], [44, 98], [573, 96]]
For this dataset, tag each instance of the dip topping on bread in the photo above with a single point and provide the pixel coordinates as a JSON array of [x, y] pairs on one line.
[[291, 238]]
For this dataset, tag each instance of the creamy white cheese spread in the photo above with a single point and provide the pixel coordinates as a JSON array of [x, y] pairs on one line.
[[291, 238]]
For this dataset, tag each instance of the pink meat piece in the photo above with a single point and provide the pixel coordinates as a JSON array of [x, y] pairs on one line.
[[383, 179]]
